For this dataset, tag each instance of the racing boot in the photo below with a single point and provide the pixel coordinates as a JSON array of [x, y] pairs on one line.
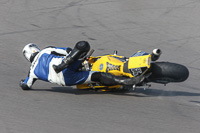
[[109, 79], [80, 50]]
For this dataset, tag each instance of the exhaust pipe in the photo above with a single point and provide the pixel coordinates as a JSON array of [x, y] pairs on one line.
[[156, 54]]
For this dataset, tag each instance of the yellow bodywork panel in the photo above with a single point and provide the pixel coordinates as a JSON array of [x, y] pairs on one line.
[[139, 62], [88, 86], [108, 64]]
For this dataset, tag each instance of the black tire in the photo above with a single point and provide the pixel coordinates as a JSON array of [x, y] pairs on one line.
[[165, 72]]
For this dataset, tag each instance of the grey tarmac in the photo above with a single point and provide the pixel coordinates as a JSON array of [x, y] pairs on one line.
[[108, 25]]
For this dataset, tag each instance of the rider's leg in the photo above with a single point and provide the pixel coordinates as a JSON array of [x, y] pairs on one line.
[[109, 79], [74, 78], [79, 51]]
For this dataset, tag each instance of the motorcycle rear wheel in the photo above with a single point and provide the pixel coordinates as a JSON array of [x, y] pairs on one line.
[[165, 72]]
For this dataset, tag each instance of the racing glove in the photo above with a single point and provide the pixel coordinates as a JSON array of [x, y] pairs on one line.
[[23, 85]]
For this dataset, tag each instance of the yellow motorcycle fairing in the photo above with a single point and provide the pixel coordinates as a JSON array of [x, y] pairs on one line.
[[100, 87], [132, 67], [109, 64]]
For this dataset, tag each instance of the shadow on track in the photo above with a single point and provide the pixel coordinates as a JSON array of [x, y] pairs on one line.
[[156, 92], [138, 92], [71, 90]]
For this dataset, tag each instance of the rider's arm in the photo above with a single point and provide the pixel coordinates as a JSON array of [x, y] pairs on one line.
[[27, 83], [62, 51]]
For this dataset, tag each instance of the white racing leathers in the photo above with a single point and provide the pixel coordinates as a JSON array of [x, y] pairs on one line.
[[41, 68]]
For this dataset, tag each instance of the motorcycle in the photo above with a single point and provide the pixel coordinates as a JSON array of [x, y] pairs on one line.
[[139, 64]]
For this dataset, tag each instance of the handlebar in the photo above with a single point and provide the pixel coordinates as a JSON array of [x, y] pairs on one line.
[[91, 52]]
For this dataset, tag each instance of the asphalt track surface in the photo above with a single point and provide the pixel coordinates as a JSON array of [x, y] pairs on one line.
[[123, 25]]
